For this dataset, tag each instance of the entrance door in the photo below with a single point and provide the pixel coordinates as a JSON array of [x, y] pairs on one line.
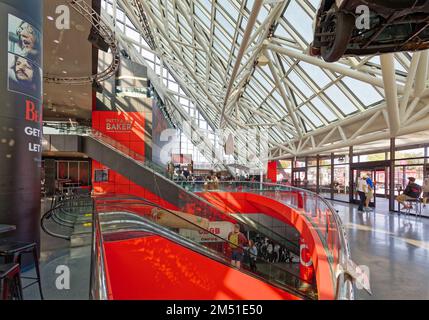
[[380, 178], [299, 179]]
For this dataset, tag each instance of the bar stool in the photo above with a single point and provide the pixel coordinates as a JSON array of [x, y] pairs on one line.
[[12, 251], [414, 205], [10, 282]]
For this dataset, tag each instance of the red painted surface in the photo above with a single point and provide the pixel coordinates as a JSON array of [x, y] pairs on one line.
[[128, 129], [272, 171], [253, 203], [306, 268], [118, 184], [154, 268]]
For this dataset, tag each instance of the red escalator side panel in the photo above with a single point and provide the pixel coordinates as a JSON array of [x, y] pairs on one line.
[[154, 268], [243, 202]]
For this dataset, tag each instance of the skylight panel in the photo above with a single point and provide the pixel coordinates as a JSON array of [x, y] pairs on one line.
[[340, 100]]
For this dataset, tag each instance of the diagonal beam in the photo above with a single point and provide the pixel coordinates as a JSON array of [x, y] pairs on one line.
[[282, 90], [390, 88], [244, 43]]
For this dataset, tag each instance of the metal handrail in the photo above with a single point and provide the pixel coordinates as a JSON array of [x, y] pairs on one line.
[[344, 252], [155, 205], [137, 219]]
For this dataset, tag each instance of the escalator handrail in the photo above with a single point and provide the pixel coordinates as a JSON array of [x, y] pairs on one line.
[[132, 197], [51, 213], [165, 232], [152, 204], [344, 252]]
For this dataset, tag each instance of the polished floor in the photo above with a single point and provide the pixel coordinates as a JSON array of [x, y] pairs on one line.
[[394, 247]]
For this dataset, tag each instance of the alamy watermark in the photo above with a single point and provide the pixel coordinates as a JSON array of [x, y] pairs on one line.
[[62, 281]]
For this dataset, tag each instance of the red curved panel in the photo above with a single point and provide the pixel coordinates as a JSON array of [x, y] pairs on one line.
[[154, 268], [242, 202]]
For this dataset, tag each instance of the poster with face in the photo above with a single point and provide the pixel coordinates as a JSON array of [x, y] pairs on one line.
[[24, 76], [24, 40]]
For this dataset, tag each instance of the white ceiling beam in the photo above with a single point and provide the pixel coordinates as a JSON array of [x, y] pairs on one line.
[[390, 88], [244, 44], [334, 67]]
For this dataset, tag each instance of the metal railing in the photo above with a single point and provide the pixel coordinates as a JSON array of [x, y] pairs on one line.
[[120, 214], [317, 210]]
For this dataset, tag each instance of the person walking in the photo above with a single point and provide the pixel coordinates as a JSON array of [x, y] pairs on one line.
[[369, 193], [362, 190]]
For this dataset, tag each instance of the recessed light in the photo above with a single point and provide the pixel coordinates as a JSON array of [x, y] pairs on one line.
[[64, 71], [50, 18], [60, 58], [56, 41], [69, 91]]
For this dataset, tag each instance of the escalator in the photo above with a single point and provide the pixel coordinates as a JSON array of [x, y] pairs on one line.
[[332, 245], [142, 251], [148, 175]]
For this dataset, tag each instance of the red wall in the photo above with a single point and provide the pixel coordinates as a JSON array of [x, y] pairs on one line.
[[134, 138], [272, 171]]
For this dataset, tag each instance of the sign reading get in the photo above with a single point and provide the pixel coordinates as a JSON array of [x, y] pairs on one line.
[[119, 125]]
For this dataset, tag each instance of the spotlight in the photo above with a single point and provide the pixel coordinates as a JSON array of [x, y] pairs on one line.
[[97, 87], [97, 40]]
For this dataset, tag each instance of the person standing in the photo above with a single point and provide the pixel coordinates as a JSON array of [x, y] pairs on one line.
[[237, 240], [425, 191], [361, 189], [253, 255], [369, 193]]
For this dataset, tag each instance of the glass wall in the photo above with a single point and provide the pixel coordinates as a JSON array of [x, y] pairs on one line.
[[333, 181], [341, 177], [325, 176]]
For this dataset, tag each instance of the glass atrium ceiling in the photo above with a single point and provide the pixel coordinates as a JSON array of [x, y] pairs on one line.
[[242, 72]]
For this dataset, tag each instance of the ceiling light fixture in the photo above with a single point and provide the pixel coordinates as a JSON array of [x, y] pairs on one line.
[[50, 18], [57, 41]]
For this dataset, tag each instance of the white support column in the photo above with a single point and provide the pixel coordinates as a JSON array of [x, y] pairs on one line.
[[391, 90]]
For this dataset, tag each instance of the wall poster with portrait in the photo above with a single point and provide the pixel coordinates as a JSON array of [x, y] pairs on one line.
[[24, 58]]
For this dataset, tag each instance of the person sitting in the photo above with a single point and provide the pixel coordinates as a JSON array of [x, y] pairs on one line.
[[411, 192]]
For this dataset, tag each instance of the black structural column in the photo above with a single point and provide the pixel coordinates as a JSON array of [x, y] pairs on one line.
[[21, 115], [392, 175]]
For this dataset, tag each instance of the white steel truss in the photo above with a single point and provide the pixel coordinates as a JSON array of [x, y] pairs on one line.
[[245, 64]]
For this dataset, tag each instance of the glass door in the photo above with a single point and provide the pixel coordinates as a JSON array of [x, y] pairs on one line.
[[299, 179]]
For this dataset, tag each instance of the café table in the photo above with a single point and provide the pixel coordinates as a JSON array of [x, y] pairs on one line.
[[6, 228]]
